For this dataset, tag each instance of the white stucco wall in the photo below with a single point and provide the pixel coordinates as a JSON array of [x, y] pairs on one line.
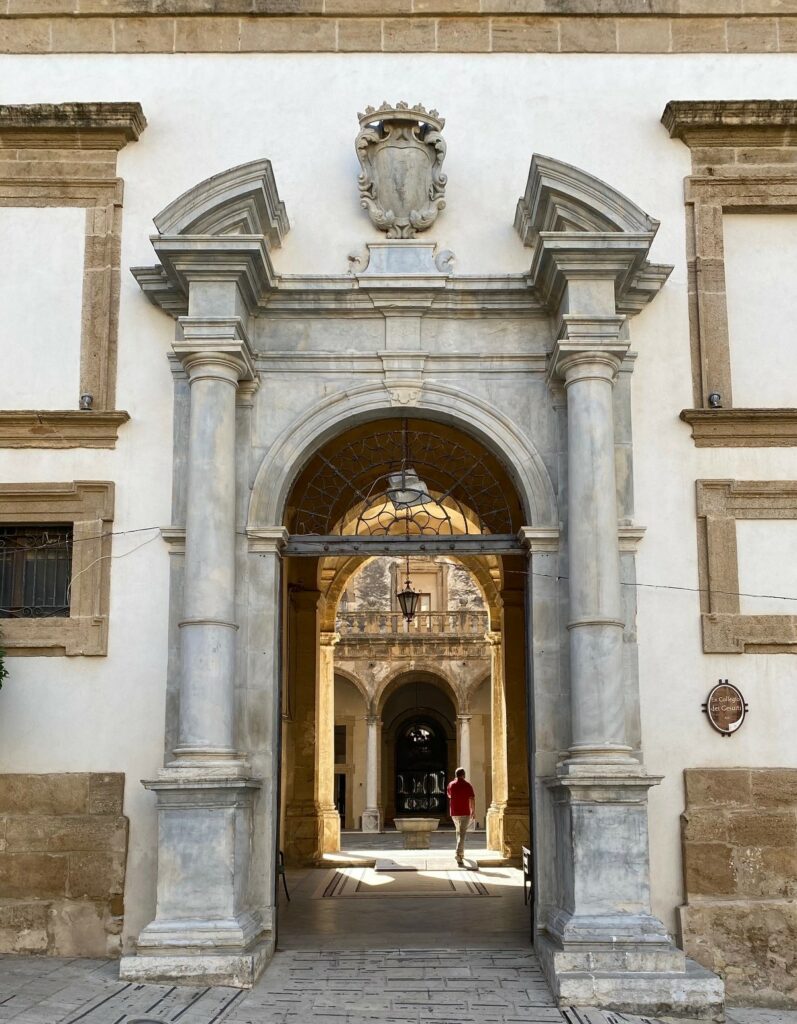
[[207, 113], [760, 264], [41, 254]]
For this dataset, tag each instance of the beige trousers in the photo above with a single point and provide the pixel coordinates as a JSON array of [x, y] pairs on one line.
[[461, 822]]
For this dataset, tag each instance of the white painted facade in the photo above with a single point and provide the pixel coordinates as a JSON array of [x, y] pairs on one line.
[[602, 114]]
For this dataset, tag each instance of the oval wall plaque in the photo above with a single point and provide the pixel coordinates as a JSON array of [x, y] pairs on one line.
[[725, 708]]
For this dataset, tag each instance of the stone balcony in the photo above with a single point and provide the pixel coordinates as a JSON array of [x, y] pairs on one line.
[[385, 635]]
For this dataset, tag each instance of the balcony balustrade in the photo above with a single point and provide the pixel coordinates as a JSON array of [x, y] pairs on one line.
[[459, 623]]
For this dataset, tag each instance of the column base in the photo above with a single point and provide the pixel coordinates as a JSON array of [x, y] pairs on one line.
[[371, 820], [238, 970], [632, 980]]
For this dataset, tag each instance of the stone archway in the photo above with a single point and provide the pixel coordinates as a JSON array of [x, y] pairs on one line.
[[218, 795]]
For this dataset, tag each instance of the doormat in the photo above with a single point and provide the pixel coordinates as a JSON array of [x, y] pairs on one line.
[[366, 883]]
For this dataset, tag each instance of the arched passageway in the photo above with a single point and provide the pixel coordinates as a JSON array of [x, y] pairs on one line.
[[384, 501]]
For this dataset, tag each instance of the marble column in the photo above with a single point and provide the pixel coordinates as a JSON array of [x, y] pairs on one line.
[[205, 929], [207, 629], [495, 812], [596, 622], [371, 816], [463, 743]]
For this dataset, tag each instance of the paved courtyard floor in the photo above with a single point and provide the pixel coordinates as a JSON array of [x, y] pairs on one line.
[[356, 946]]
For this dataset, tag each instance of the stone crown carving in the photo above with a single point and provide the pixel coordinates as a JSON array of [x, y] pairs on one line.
[[401, 152]]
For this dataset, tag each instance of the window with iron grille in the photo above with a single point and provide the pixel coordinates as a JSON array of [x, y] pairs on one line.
[[35, 571]]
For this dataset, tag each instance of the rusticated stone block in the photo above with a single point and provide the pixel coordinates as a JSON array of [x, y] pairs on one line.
[[82, 35], [699, 35], [364, 34], [717, 787], [588, 35], [84, 928], [44, 794], [408, 35], [24, 926], [751, 944], [63, 834], [106, 793], [704, 825], [709, 870], [282, 35], [752, 828], [774, 787], [525, 35], [766, 873], [463, 35], [143, 35], [24, 875], [95, 875], [752, 35]]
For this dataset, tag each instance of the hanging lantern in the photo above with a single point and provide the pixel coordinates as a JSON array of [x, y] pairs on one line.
[[408, 598]]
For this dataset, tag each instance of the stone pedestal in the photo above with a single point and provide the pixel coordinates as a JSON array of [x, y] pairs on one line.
[[416, 832]]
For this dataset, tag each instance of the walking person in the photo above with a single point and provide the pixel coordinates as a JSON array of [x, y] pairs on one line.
[[461, 808]]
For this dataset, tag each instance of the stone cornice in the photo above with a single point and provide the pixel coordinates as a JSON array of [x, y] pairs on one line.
[[742, 428], [70, 428], [72, 125], [714, 122]]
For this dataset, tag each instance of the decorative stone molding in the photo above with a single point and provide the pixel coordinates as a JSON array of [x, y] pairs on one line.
[[742, 428], [579, 226], [224, 227], [399, 26], [88, 506], [65, 155], [719, 504], [743, 155], [73, 428], [401, 152]]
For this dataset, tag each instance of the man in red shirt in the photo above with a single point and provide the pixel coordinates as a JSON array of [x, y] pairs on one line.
[[462, 809]]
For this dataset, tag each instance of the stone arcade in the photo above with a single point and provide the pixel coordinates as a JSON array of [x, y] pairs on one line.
[[565, 379]]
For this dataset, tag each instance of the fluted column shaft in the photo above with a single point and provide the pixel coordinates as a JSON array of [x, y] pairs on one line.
[[207, 629], [596, 621]]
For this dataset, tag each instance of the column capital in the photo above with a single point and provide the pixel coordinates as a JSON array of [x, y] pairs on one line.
[[268, 539], [372, 719], [328, 639], [493, 637], [465, 717], [539, 538], [587, 346], [214, 343]]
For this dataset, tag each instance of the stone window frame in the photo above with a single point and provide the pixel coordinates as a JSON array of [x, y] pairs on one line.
[[64, 155], [88, 506], [742, 155], [720, 503]]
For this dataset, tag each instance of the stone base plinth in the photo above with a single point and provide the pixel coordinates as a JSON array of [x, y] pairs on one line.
[[643, 985], [238, 970], [751, 942], [371, 820]]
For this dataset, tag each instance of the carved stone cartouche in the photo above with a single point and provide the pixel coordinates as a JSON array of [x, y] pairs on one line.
[[401, 152]]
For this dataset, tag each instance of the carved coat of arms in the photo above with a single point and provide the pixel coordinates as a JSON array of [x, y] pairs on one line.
[[401, 152]]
